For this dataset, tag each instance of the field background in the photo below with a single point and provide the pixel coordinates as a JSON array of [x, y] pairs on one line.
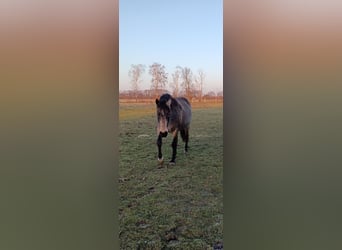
[[179, 207]]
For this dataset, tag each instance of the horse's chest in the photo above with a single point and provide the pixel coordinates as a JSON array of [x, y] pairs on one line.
[[173, 124]]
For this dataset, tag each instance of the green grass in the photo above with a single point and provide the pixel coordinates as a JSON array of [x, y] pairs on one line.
[[178, 207]]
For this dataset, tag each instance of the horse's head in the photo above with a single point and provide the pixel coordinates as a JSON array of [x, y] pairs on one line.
[[163, 113]]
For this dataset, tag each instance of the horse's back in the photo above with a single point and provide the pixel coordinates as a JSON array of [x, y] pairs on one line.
[[183, 99], [186, 107]]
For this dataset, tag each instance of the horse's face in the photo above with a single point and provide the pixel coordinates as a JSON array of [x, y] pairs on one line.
[[163, 117]]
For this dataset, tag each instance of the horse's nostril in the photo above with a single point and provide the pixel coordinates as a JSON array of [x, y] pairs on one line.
[[163, 134]]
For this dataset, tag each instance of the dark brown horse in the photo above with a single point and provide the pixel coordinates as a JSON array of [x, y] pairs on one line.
[[173, 115]]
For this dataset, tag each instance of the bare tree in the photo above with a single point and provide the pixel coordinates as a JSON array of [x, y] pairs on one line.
[[135, 73], [211, 95], [199, 80], [159, 78], [187, 84], [176, 81]]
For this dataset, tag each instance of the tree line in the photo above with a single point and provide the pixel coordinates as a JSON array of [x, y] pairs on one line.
[[183, 82]]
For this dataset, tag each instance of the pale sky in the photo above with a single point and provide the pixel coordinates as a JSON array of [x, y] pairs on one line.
[[188, 33]]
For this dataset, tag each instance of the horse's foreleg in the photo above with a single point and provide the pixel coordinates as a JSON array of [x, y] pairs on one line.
[[159, 144], [174, 146]]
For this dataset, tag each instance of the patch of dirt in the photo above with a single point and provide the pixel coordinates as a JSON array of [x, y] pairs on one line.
[[143, 135], [123, 179], [142, 224], [218, 246]]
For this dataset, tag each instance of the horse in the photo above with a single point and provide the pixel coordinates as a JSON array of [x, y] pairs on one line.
[[173, 115]]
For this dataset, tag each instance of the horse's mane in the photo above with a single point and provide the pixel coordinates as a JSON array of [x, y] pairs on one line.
[[164, 98], [174, 101]]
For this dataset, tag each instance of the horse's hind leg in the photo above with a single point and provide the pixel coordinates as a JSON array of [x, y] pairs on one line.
[[174, 147], [186, 139]]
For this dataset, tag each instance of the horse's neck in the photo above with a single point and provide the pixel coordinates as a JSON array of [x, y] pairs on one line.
[[176, 104]]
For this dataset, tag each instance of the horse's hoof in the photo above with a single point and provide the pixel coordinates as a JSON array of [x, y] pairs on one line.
[[172, 163], [161, 160]]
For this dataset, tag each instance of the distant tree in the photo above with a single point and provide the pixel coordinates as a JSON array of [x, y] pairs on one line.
[[199, 80], [176, 77], [159, 78], [135, 73], [187, 84], [211, 94]]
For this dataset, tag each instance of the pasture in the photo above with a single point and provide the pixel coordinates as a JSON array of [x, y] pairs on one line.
[[177, 207]]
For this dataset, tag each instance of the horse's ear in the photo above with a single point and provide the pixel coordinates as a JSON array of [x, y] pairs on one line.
[[157, 101]]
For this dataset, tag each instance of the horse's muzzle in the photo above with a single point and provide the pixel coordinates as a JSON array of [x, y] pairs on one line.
[[163, 134]]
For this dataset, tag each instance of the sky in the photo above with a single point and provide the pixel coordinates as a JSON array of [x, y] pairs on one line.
[[186, 33]]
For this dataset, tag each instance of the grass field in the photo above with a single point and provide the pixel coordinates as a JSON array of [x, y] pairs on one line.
[[178, 207]]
